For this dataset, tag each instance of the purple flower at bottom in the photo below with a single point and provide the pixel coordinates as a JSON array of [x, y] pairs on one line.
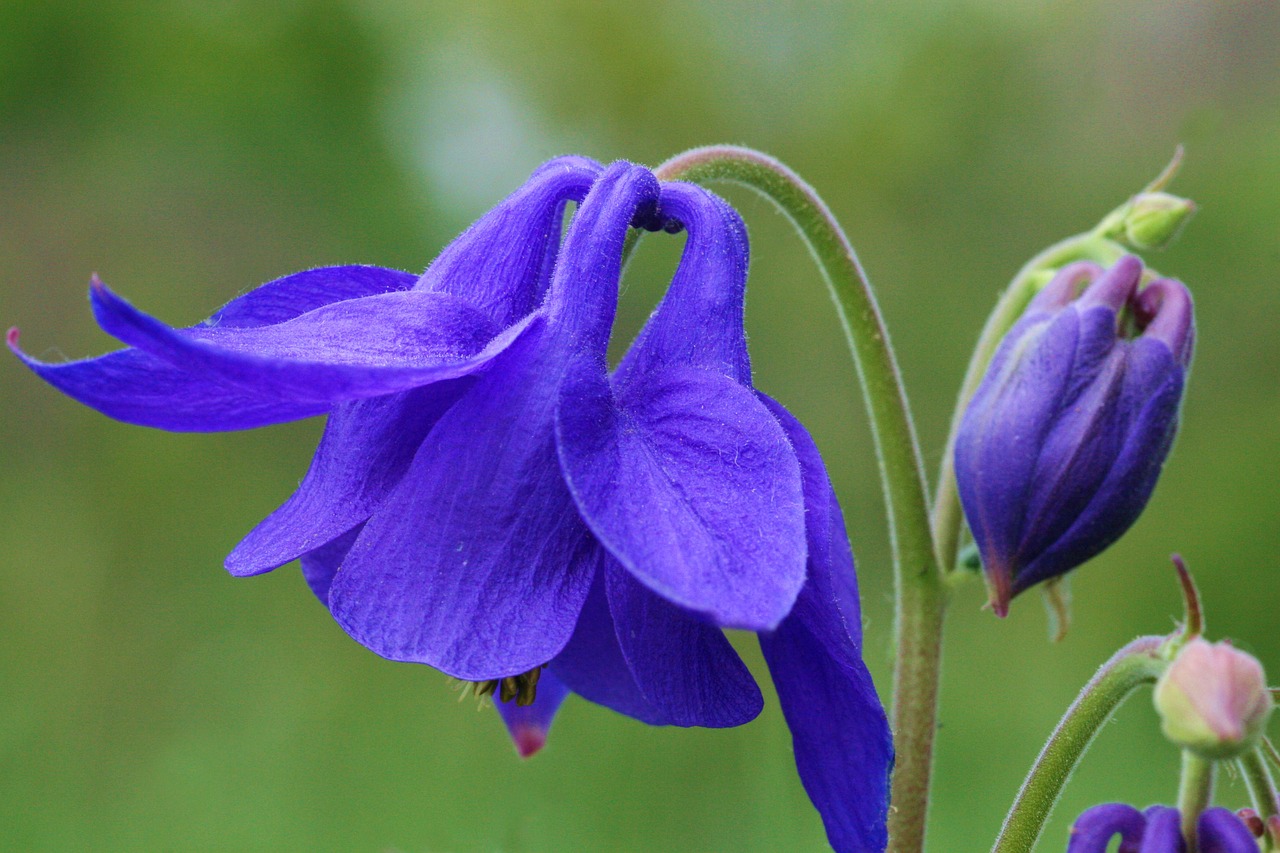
[[490, 500], [1061, 445], [1157, 830]]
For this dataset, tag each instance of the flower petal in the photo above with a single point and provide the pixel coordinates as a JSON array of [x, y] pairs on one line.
[[477, 562], [1093, 830], [699, 322], [284, 298], [843, 748], [592, 664], [692, 485], [502, 264], [1145, 422], [320, 566], [366, 448], [1220, 831], [995, 457], [684, 668], [346, 350], [138, 388], [1163, 833], [528, 724]]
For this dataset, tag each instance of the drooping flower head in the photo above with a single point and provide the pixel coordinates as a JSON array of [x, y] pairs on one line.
[[1061, 446], [488, 499], [1157, 830]]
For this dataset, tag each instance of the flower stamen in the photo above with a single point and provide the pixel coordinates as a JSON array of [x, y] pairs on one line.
[[523, 688]]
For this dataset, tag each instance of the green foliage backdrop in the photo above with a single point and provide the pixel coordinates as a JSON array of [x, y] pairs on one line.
[[188, 151]]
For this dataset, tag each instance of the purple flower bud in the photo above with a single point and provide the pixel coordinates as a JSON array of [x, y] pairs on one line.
[[1062, 444]]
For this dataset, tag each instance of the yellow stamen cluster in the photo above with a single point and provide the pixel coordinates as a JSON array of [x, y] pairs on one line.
[[523, 688]]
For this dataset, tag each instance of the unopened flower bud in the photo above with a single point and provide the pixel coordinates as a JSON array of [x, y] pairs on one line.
[[1154, 220], [1062, 443], [1213, 700]]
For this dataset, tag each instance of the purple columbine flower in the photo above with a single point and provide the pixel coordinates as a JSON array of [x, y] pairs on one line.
[[1062, 444], [1157, 830], [488, 499]]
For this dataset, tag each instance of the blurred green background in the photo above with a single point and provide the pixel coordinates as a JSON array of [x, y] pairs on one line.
[[188, 151]]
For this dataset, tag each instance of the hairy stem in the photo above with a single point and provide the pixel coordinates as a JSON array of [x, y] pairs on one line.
[[1136, 664], [1262, 787], [920, 593], [1195, 792]]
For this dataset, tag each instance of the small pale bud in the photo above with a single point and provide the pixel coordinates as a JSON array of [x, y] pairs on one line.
[[1213, 700], [1153, 220]]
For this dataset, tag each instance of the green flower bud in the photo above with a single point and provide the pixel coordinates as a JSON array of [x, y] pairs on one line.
[[1213, 700], [1150, 220]]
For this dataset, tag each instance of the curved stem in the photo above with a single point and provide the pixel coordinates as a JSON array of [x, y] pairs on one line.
[[1136, 664], [1262, 787], [920, 593], [947, 516], [1195, 792]]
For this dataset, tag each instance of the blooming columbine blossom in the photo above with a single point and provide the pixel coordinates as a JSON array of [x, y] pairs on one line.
[[488, 499], [1157, 830], [1063, 441]]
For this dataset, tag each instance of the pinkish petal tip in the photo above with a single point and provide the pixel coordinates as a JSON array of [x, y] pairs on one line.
[[12, 337], [528, 740]]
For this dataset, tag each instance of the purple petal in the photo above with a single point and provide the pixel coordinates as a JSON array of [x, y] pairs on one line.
[[366, 448], [1136, 437], [583, 295], [684, 668], [502, 264], [1114, 288], [592, 664], [1093, 830], [693, 486], [284, 298], [528, 724], [1168, 303], [138, 388], [1163, 833], [320, 566], [347, 350], [477, 562], [995, 459], [843, 748], [699, 322], [1220, 831]]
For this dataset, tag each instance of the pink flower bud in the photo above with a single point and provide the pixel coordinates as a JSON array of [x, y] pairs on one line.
[[1213, 699]]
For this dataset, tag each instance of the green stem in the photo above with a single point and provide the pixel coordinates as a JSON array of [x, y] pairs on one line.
[[1262, 787], [1136, 664], [947, 516], [920, 593], [1195, 791]]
